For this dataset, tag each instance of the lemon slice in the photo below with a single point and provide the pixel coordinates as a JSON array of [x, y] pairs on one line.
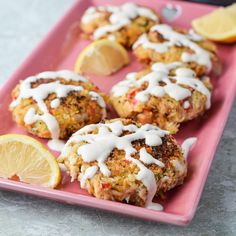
[[219, 25], [26, 159], [102, 57]]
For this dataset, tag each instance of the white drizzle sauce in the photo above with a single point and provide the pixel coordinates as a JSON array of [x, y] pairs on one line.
[[186, 105], [95, 96], [200, 55], [179, 166], [55, 103], [90, 14], [56, 144], [147, 158], [160, 73], [187, 144], [120, 17], [88, 174], [155, 206], [100, 145], [192, 35], [41, 92]]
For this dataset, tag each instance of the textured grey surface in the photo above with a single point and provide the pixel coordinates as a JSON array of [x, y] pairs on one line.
[[22, 24]]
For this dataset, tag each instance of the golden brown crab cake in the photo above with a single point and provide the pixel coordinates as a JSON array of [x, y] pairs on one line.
[[165, 95], [56, 104], [124, 23], [166, 44], [121, 160]]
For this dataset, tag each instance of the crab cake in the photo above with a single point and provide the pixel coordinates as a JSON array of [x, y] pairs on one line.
[[123, 161], [165, 44], [56, 104], [123, 23], [165, 95]]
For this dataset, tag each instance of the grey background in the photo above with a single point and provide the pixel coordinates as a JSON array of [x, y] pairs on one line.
[[22, 24]]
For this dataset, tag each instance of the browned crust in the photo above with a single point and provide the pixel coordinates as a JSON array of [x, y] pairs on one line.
[[126, 35], [164, 111], [75, 111], [122, 183], [148, 56]]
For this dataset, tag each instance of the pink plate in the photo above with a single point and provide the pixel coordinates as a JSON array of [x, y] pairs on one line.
[[59, 50]]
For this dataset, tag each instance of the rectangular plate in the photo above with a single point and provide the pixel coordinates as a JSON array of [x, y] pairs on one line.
[[59, 50]]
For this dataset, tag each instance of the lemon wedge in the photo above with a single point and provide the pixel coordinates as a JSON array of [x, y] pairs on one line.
[[219, 25], [26, 159], [102, 57]]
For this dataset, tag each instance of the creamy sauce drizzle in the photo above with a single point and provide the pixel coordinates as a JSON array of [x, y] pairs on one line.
[[186, 105], [55, 103], [100, 145], [161, 73], [155, 206], [41, 92], [88, 174], [187, 144], [200, 55], [178, 166], [120, 17], [148, 159]]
